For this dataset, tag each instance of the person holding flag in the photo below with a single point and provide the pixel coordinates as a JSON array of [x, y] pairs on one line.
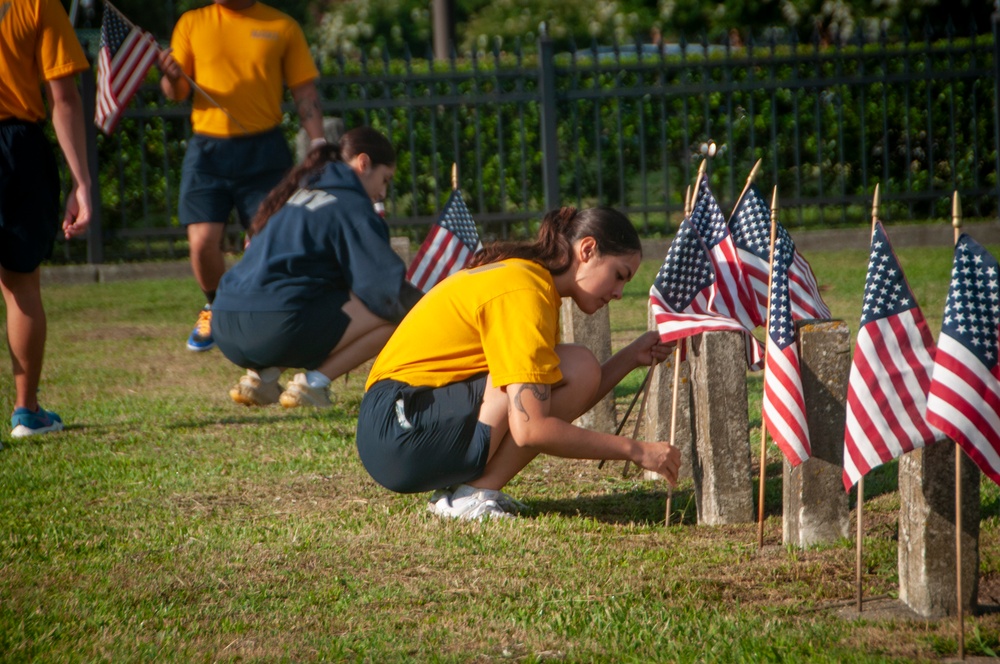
[[37, 43], [236, 55], [474, 384]]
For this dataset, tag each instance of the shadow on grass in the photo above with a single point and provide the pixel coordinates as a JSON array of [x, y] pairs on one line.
[[251, 417], [636, 507]]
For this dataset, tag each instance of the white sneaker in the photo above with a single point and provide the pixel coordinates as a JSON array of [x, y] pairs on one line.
[[468, 503], [252, 391], [299, 393]]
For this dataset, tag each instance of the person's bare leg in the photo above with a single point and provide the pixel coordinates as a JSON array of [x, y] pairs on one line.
[[581, 379], [26, 332], [207, 261], [365, 336]]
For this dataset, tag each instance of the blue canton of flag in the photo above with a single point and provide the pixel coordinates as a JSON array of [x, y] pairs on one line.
[[456, 218], [686, 271], [964, 399], [886, 291], [972, 314], [750, 227], [780, 326]]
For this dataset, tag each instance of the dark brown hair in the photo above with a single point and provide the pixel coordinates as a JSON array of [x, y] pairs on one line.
[[560, 229], [360, 140]]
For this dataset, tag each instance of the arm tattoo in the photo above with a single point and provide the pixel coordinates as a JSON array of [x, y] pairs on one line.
[[541, 392], [308, 107]]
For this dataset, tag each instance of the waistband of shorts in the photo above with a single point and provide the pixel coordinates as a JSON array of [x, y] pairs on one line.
[[239, 137], [18, 122]]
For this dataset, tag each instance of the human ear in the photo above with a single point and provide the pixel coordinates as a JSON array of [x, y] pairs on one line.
[[587, 249]]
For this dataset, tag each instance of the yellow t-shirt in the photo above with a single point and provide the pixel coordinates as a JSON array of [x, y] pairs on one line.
[[502, 318], [241, 59], [37, 43]]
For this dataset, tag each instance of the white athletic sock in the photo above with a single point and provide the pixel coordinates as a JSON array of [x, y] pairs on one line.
[[268, 375], [316, 379]]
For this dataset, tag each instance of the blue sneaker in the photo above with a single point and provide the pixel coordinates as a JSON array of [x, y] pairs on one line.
[[201, 336], [28, 423]]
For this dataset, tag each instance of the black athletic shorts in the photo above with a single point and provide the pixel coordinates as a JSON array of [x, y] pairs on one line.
[[29, 196], [220, 174], [413, 439], [290, 339]]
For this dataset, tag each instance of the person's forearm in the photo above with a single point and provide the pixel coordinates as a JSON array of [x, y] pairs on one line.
[[310, 114], [67, 120]]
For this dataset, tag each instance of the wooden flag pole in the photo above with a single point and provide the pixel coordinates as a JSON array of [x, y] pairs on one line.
[[673, 421], [746, 187], [859, 537], [628, 411], [697, 180], [454, 175], [763, 426], [642, 409], [687, 202], [956, 222]]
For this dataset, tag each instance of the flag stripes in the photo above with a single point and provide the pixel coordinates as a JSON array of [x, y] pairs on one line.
[[125, 56], [890, 372]]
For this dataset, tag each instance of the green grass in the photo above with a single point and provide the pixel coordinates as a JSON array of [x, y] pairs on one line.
[[168, 524]]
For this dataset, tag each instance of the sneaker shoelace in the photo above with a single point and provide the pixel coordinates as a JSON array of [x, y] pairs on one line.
[[204, 324]]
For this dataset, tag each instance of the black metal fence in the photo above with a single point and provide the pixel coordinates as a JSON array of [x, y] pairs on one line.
[[624, 126]]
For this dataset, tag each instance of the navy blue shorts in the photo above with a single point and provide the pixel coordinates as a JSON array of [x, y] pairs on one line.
[[413, 439], [29, 196], [220, 174], [291, 339]]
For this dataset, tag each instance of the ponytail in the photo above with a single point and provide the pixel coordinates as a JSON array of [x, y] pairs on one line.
[[560, 229]]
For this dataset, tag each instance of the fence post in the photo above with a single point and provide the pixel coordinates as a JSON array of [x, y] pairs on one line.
[[547, 101], [95, 236]]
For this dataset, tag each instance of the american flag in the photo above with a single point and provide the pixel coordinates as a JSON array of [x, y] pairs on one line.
[[125, 56], [750, 226], [682, 294], [733, 297], [784, 410], [449, 246], [891, 371], [964, 399]]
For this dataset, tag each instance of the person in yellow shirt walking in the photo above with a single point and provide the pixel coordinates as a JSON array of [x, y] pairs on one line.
[[37, 43], [240, 54]]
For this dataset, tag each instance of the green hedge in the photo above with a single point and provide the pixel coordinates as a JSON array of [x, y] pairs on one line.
[[828, 124]]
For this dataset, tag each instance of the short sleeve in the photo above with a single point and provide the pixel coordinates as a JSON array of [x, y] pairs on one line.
[[519, 334], [298, 66], [59, 52]]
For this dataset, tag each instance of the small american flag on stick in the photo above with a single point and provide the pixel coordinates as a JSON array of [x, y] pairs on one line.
[[891, 370], [125, 56], [964, 398], [449, 246], [784, 408]]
